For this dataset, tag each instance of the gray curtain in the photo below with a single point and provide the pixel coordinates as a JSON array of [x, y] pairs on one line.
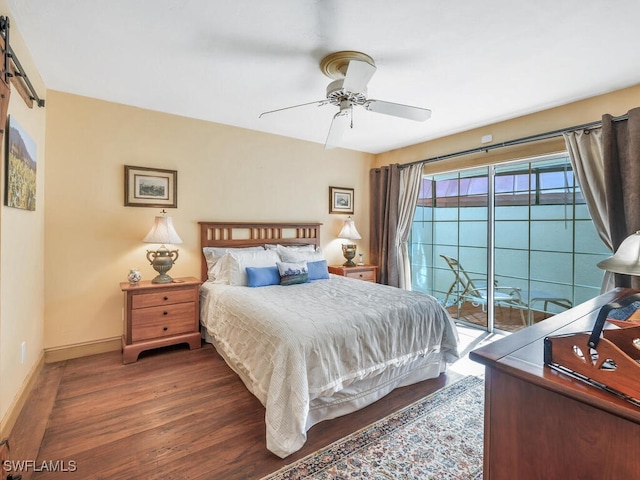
[[621, 154], [586, 153], [410, 179], [394, 195], [384, 191], [606, 162]]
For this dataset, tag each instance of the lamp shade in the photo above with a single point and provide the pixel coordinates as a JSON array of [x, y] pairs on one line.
[[626, 260], [349, 230], [162, 232]]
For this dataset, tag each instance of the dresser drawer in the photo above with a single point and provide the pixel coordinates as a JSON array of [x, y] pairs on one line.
[[366, 275], [165, 297], [166, 320]]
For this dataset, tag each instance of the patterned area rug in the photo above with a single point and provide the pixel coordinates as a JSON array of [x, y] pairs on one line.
[[438, 437]]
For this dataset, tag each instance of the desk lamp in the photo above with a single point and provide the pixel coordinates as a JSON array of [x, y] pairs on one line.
[[626, 260]]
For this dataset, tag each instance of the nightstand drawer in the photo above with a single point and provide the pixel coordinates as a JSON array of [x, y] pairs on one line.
[[162, 321], [166, 297], [366, 275]]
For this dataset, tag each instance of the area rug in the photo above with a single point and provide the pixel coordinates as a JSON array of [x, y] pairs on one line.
[[438, 437]]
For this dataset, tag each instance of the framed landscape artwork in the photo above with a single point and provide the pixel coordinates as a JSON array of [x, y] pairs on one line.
[[340, 200], [20, 188], [150, 187]]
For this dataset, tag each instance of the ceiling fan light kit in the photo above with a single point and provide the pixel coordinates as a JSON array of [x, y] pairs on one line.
[[351, 72]]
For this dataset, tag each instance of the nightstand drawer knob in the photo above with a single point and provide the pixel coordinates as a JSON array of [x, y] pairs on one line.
[[165, 313], [165, 328], [165, 298]]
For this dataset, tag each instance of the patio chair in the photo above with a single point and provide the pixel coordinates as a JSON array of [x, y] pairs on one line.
[[475, 291]]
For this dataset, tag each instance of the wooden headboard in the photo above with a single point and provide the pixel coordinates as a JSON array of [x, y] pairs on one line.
[[250, 234]]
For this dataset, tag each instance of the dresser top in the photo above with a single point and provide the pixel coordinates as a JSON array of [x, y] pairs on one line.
[[521, 355], [147, 285]]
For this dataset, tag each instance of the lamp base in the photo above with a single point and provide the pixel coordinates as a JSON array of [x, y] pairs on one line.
[[162, 260], [349, 252], [162, 278]]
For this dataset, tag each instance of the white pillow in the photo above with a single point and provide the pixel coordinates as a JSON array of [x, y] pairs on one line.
[[231, 268], [213, 254], [291, 255], [303, 248]]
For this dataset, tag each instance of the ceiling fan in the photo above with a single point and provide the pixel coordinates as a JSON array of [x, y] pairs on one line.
[[351, 72]]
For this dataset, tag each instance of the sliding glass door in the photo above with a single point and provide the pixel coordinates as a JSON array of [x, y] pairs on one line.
[[506, 246], [449, 242]]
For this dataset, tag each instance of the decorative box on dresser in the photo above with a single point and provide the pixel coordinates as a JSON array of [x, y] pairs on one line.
[[543, 424], [368, 273], [158, 315]]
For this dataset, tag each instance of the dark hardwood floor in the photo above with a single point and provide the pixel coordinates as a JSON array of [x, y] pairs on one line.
[[175, 414]]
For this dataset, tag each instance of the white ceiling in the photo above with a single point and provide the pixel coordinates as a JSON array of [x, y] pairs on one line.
[[471, 62]]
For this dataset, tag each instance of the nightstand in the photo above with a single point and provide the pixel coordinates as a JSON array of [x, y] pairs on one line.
[[368, 273], [157, 315]]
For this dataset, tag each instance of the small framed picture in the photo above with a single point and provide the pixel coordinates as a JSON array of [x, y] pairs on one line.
[[150, 187], [340, 200]]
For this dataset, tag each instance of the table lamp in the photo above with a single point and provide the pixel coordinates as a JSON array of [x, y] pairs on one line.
[[349, 232], [162, 259]]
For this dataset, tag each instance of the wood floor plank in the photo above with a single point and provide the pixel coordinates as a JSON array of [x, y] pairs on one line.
[[176, 413], [30, 427]]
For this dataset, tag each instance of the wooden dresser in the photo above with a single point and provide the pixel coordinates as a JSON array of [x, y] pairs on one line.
[[542, 424], [368, 273], [157, 315]]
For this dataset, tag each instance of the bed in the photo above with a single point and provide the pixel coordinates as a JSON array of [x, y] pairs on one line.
[[317, 347]]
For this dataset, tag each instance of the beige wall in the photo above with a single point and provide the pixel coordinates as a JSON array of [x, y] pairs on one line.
[[577, 113], [21, 254], [224, 173]]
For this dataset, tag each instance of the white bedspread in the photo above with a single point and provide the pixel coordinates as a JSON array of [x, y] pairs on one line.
[[292, 344]]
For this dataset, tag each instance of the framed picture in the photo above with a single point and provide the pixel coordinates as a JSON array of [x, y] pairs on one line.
[[340, 200], [20, 191], [150, 187]]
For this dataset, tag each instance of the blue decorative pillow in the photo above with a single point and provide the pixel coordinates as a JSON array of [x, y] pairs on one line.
[[262, 276], [292, 273], [318, 270]]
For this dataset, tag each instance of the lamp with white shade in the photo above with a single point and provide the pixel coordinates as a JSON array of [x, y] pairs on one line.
[[626, 260], [349, 232], [162, 259]]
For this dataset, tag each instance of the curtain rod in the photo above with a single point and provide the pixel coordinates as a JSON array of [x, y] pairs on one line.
[[518, 141]]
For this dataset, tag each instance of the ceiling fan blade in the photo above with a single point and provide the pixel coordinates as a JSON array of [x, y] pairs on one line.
[[358, 75], [319, 102], [398, 110], [339, 124]]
